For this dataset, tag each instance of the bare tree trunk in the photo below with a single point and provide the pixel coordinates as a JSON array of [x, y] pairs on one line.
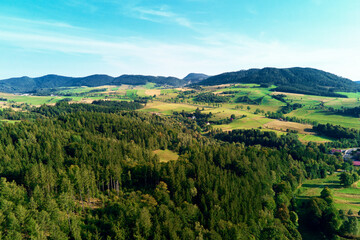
[[111, 185], [117, 187], [68, 216], [82, 202]]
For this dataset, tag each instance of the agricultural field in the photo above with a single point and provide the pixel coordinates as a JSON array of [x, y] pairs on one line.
[[248, 114], [246, 117], [344, 198]]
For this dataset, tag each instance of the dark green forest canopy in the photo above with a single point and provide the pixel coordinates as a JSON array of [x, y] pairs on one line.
[[33, 85], [79, 172], [294, 80]]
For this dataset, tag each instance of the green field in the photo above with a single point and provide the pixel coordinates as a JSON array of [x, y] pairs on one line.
[[324, 117], [166, 155], [167, 101], [344, 198], [167, 108]]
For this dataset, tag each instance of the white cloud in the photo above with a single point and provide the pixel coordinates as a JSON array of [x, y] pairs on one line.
[[161, 15], [49, 23], [212, 54]]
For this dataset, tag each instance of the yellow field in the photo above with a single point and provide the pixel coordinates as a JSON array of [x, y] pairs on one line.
[[166, 155], [283, 125], [167, 108], [152, 92]]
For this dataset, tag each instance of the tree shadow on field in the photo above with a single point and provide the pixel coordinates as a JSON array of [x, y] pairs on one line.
[[309, 130], [321, 185], [335, 182]]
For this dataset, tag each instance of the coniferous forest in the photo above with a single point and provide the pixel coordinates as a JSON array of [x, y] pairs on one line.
[[179, 120], [77, 171]]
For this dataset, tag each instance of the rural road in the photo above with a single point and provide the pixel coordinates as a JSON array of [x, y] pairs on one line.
[[347, 153]]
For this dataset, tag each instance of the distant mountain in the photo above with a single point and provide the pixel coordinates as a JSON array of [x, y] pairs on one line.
[[357, 81], [195, 78], [28, 85], [297, 80], [142, 80]]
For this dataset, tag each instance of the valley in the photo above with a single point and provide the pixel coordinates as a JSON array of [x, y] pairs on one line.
[[268, 145], [179, 120], [250, 113]]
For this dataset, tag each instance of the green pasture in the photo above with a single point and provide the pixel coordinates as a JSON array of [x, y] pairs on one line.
[[34, 100], [351, 94], [167, 108], [343, 102], [251, 121], [131, 93], [74, 90], [149, 85], [325, 117], [10, 121], [167, 91], [344, 198], [313, 138], [166, 155]]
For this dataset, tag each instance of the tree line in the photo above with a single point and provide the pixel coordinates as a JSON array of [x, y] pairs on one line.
[[89, 172]]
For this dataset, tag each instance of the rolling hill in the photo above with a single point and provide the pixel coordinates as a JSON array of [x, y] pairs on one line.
[[28, 85], [297, 80], [195, 77]]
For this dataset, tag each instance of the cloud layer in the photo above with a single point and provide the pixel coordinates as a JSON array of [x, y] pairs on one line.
[[210, 52]]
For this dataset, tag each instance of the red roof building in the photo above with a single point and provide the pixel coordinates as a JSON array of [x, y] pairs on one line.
[[335, 150], [356, 163]]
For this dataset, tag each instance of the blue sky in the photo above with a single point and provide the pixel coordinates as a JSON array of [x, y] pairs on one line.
[[173, 38]]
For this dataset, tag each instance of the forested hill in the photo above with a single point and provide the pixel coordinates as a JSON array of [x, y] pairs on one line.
[[195, 77], [297, 80], [89, 171], [27, 84]]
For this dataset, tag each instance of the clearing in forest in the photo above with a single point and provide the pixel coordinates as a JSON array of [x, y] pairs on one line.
[[166, 155]]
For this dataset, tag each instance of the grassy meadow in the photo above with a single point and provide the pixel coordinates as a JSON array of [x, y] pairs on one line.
[[166, 155], [344, 198], [165, 101]]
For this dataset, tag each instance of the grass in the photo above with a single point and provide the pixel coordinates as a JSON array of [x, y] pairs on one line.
[[325, 117], [245, 123], [344, 198], [278, 125], [227, 109], [149, 85], [310, 111], [166, 155], [34, 100], [131, 93], [167, 108], [351, 95], [313, 138], [10, 121]]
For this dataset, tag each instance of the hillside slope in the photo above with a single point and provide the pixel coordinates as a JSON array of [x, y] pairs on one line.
[[195, 77], [297, 80], [28, 85]]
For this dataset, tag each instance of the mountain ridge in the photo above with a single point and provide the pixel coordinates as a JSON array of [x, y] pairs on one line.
[[298, 80], [26, 84]]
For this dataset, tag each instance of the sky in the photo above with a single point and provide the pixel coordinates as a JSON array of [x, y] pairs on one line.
[[176, 37]]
